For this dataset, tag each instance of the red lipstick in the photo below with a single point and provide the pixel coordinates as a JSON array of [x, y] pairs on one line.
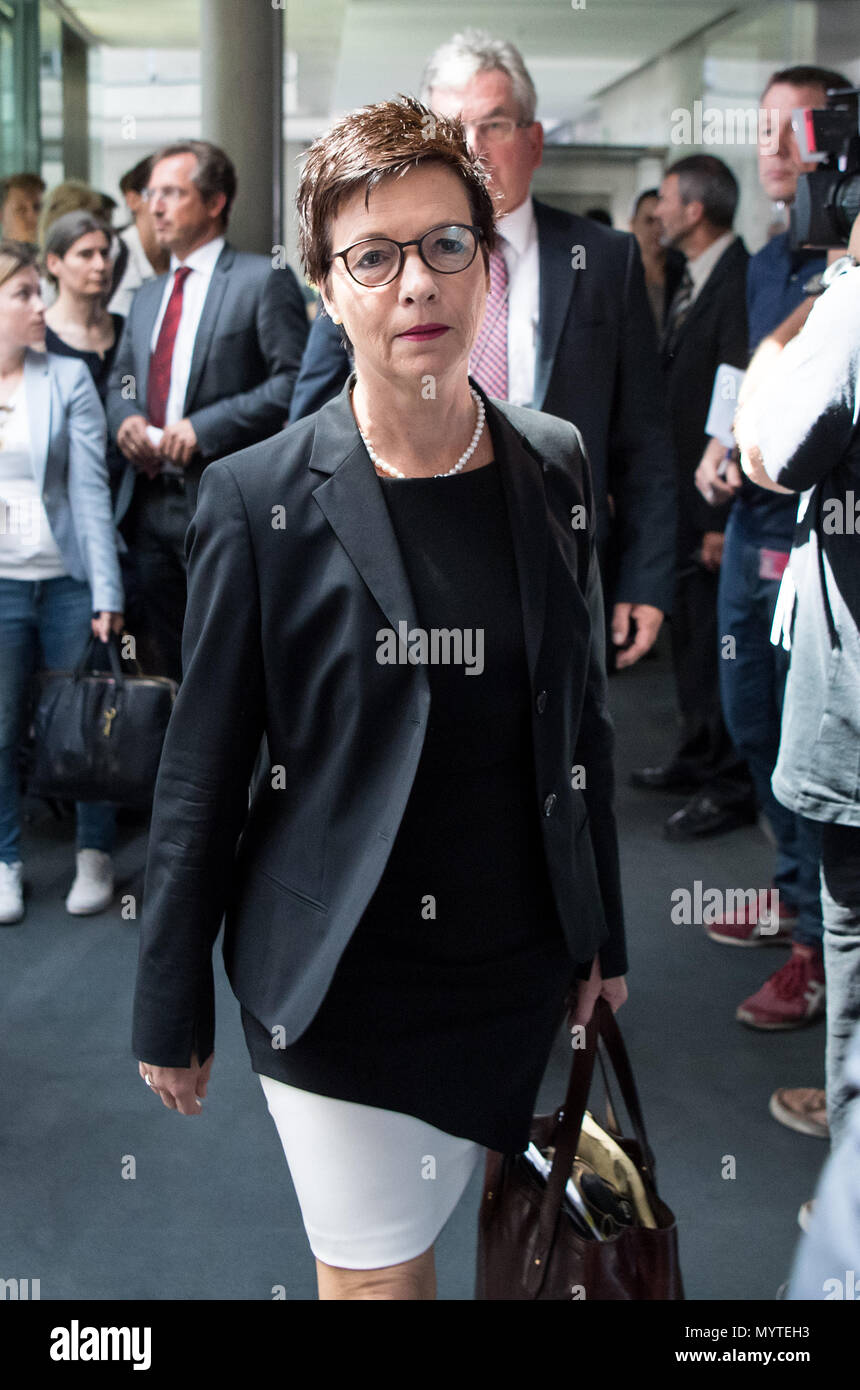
[[423, 332]]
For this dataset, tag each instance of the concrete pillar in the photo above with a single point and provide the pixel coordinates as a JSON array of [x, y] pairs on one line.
[[241, 66], [76, 134]]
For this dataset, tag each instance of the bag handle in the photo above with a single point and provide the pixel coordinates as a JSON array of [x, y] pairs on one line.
[[113, 656], [566, 1136], [617, 1052]]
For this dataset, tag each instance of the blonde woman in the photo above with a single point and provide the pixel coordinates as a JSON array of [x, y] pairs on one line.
[[59, 572]]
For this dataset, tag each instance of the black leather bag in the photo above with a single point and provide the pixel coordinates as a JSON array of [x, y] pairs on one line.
[[97, 735]]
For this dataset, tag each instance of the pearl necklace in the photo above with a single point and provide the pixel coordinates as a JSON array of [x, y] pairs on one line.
[[461, 462]]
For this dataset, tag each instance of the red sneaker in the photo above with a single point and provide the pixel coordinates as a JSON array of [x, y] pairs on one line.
[[756, 924], [794, 996]]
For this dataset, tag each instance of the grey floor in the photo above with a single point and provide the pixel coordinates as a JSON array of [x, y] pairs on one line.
[[210, 1212]]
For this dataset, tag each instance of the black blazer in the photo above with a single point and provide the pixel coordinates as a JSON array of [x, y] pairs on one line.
[[293, 567], [597, 366], [714, 331], [246, 357]]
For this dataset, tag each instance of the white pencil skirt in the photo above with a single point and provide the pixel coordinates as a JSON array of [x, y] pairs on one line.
[[375, 1186]]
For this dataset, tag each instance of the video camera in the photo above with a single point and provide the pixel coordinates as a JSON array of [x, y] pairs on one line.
[[827, 201]]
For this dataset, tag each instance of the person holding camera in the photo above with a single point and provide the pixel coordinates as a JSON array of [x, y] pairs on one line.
[[59, 570]]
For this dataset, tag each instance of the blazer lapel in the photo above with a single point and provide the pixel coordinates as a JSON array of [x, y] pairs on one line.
[[733, 252], [522, 480], [37, 391], [557, 280], [351, 498], [208, 319], [149, 298]]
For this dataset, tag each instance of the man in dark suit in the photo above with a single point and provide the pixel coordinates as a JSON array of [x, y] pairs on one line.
[[706, 325], [569, 322], [206, 365], [663, 265]]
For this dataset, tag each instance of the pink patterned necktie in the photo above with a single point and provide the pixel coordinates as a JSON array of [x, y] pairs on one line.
[[489, 360]]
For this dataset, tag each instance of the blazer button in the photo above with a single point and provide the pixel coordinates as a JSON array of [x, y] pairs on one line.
[[549, 804], [540, 702]]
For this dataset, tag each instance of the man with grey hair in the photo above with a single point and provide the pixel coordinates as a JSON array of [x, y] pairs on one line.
[[568, 330]]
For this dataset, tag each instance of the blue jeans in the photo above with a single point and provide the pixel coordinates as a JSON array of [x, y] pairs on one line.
[[44, 624], [752, 685]]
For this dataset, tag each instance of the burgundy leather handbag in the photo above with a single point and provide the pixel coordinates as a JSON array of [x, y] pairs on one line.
[[529, 1243]]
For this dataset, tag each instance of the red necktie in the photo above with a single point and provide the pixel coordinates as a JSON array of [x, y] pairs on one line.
[[489, 361], [161, 361]]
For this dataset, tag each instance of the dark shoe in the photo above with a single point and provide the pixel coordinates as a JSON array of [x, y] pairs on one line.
[[667, 778], [705, 816]]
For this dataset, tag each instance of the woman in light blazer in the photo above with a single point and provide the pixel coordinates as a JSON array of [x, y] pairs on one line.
[[59, 572]]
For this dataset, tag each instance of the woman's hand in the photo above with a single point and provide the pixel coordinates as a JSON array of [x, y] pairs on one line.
[[613, 990], [180, 1088], [105, 623]]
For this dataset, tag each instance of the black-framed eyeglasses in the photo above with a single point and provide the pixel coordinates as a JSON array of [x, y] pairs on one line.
[[378, 260]]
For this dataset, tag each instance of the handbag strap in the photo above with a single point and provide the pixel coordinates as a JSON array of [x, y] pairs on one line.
[[566, 1137], [565, 1140], [617, 1053], [113, 656]]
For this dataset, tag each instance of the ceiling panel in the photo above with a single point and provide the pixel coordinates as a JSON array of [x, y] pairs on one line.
[[344, 53]]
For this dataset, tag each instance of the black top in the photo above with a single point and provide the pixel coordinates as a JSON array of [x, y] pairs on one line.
[[99, 365], [447, 998]]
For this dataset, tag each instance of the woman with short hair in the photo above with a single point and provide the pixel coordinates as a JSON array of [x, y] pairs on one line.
[[401, 592]]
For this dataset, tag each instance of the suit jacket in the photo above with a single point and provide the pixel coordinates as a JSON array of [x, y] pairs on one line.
[[597, 366], [293, 568], [674, 273], [246, 357], [714, 331], [68, 439]]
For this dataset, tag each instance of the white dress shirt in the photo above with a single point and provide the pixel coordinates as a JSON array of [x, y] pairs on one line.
[[519, 228], [138, 268], [701, 267], [201, 263]]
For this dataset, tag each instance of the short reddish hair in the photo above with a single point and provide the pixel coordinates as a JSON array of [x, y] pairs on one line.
[[370, 144]]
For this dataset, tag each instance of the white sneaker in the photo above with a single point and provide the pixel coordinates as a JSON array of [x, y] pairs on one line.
[[804, 1216], [92, 890], [11, 896]]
